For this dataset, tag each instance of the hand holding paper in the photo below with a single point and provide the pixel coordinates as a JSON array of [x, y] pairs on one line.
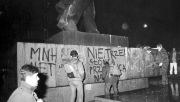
[[39, 100]]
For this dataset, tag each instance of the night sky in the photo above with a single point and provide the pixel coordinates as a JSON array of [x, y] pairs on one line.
[[35, 21]]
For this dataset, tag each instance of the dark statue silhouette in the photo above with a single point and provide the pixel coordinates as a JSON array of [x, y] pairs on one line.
[[76, 12]]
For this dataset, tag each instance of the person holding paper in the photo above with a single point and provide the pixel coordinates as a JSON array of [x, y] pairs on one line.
[[75, 73]]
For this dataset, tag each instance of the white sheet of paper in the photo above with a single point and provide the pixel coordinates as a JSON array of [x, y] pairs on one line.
[[88, 87]]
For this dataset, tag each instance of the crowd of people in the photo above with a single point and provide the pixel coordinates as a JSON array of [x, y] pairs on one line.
[[69, 16], [75, 72]]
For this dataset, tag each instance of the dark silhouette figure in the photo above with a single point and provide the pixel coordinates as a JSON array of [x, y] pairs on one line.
[[71, 11]]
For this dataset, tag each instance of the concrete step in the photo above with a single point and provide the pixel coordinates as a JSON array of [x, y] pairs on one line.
[[107, 98]]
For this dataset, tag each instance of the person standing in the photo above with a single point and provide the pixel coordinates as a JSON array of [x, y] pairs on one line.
[[29, 82], [163, 62], [75, 73], [105, 76], [110, 74], [173, 62]]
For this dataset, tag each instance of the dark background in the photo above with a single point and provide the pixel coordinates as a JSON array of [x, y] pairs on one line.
[[35, 21]]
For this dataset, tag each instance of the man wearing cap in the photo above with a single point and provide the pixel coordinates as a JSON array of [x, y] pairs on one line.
[[75, 73], [29, 82]]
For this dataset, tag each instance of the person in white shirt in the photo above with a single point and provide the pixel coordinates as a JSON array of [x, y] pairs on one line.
[[173, 62], [75, 73], [29, 82]]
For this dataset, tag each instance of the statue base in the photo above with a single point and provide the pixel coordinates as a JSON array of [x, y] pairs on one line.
[[88, 39]]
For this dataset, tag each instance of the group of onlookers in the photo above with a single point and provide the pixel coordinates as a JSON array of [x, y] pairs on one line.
[[76, 74]]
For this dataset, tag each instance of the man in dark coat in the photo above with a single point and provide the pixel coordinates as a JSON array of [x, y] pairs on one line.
[[163, 61]]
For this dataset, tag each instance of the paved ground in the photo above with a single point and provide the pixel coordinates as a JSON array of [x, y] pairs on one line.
[[155, 93]]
